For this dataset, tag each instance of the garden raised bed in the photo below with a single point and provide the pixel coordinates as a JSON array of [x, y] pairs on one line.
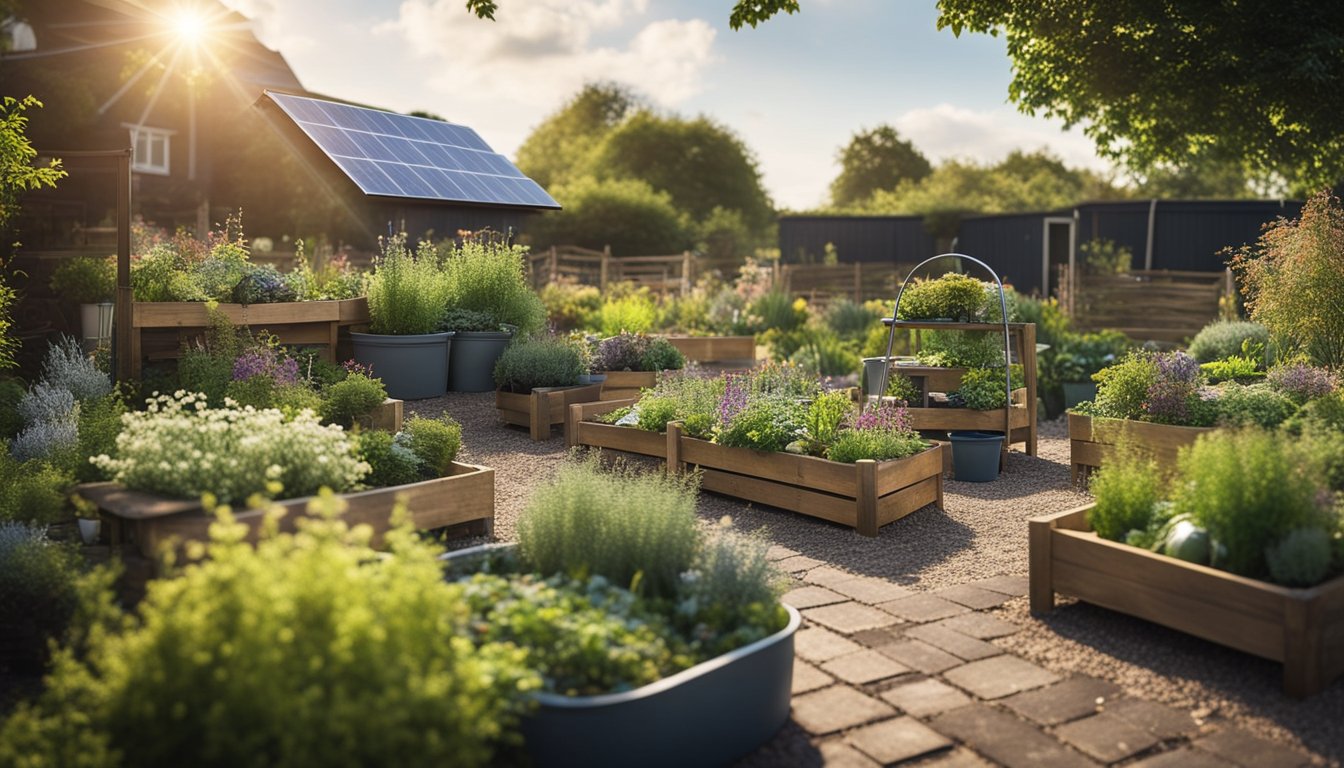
[[1302, 628], [145, 521], [726, 350], [580, 429], [543, 407], [865, 495], [622, 385], [1090, 439], [159, 328]]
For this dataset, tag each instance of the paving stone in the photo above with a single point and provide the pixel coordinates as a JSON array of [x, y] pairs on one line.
[[982, 626], [954, 643], [1106, 737], [973, 597], [871, 591], [837, 754], [1015, 586], [1005, 739], [1162, 721], [921, 656], [776, 552], [924, 698], [1180, 758], [895, 741], [837, 708], [817, 644], [848, 617], [1000, 676], [798, 563], [1064, 701], [1241, 748], [864, 667], [876, 638], [810, 597], [922, 607], [826, 576], [957, 758], [808, 678]]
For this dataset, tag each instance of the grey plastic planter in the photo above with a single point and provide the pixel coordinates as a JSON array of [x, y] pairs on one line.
[[1076, 392], [473, 360], [412, 367], [874, 367], [975, 455], [708, 715]]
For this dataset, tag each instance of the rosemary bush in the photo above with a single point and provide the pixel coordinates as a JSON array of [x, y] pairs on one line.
[[489, 277], [544, 361], [407, 292]]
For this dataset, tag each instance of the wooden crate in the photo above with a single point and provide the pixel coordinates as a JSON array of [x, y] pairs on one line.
[[580, 429], [145, 522], [1302, 628], [717, 349], [623, 385], [865, 495], [1091, 439], [544, 407]]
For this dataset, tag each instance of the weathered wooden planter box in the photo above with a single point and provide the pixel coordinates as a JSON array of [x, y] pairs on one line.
[[1091, 439], [158, 328], [146, 521], [580, 429], [1302, 628], [543, 407], [865, 495], [738, 350], [622, 385], [386, 417]]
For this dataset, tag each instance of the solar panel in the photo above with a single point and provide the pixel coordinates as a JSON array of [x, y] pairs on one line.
[[393, 155]]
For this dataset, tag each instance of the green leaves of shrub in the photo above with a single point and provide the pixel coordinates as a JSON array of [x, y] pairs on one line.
[[1122, 389], [544, 361], [953, 296], [350, 400], [982, 389], [407, 292], [489, 277], [876, 444], [435, 441], [768, 423], [1126, 490]]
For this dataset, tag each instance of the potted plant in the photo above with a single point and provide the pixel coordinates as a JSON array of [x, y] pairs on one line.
[[90, 282], [631, 362], [408, 295], [954, 297], [537, 379], [489, 301]]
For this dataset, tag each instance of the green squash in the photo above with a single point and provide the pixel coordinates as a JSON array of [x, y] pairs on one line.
[[1187, 541]]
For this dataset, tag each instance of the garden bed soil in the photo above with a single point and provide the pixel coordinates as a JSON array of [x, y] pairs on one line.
[[543, 407], [1302, 628], [580, 429], [1091, 439]]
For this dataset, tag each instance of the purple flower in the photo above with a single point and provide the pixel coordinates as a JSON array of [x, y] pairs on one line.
[[265, 361], [887, 417], [1302, 382], [1176, 382], [734, 399]]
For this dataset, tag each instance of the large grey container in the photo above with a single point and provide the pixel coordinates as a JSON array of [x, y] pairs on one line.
[[976, 455], [473, 360], [412, 367]]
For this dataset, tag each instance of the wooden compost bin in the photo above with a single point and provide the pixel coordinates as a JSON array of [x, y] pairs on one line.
[[1302, 628], [865, 495], [580, 429], [543, 407], [1091, 439]]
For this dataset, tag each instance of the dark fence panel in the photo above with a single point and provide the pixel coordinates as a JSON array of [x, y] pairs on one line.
[[1011, 244], [803, 239], [1190, 235]]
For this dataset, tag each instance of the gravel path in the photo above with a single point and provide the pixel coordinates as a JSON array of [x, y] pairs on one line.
[[982, 534]]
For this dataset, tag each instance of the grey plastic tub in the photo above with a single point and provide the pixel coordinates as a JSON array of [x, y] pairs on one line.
[[975, 455], [412, 367], [473, 360]]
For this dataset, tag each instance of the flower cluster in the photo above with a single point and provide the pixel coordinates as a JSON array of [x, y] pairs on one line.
[[885, 417], [734, 399], [178, 447], [266, 361], [1302, 382], [1177, 380]]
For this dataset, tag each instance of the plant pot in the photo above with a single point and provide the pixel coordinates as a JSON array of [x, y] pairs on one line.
[[90, 530], [1076, 392], [976, 455], [95, 321], [711, 714], [473, 360], [412, 367], [592, 378]]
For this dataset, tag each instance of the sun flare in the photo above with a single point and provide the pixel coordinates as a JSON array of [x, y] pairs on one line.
[[190, 27]]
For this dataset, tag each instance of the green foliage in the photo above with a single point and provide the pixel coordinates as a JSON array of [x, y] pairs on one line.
[[632, 313], [435, 441], [628, 214], [767, 423], [1301, 558], [961, 349], [39, 591], [490, 277], [875, 159], [851, 322], [662, 355], [570, 306], [468, 320], [9, 344], [1126, 494], [953, 296], [636, 352], [390, 462], [1293, 280], [903, 388], [1226, 338], [1236, 368], [691, 399], [99, 425], [557, 150], [1257, 405], [543, 361], [876, 444], [11, 392], [822, 351], [1122, 389], [982, 389], [350, 400], [85, 279], [407, 292], [1248, 488], [1105, 257], [825, 416], [1079, 355], [32, 491], [309, 649], [635, 530], [778, 311], [18, 171], [730, 596], [256, 391], [1052, 325]]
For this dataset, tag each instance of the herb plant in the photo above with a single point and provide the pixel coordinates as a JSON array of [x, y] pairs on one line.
[[435, 441], [543, 361], [85, 280], [407, 292], [489, 277], [953, 296]]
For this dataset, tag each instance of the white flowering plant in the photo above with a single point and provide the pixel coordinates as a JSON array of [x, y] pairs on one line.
[[179, 447]]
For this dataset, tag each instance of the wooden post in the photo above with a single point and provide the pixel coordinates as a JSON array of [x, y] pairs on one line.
[[866, 521], [128, 351], [1303, 674], [687, 266], [553, 264], [1041, 587], [573, 415], [602, 272], [674, 463], [1029, 374], [540, 422], [858, 282]]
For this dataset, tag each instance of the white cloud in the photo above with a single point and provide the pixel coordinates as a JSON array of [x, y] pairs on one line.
[[945, 131], [273, 26]]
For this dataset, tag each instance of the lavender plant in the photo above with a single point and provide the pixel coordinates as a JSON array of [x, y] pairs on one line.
[[1302, 381]]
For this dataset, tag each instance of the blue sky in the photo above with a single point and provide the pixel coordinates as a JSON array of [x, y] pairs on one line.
[[794, 89]]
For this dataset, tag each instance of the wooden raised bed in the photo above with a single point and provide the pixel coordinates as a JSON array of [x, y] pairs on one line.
[[1302, 628], [865, 495], [580, 429], [146, 521], [717, 349], [1091, 439], [159, 328], [622, 385], [544, 407], [386, 417]]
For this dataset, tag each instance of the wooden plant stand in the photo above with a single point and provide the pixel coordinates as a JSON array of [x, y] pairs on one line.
[[1302, 628], [1092, 439], [580, 429], [543, 407]]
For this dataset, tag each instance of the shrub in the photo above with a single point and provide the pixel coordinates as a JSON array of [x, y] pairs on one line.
[[490, 277], [982, 389], [434, 441], [850, 321], [955, 349], [1176, 382], [1104, 257], [730, 596], [310, 649], [99, 424], [1122, 389], [262, 284], [468, 320], [953, 296], [633, 313], [32, 491], [1301, 558], [628, 215], [407, 293], [1079, 355], [1126, 495], [778, 311], [1302, 382], [85, 280], [179, 448], [1225, 338], [11, 394], [1235, 368], [348, 401], [623, 352], [544, 361], [876, 444], [46, 403], [767, 423], [1253, 406], [391, 462], [570, 306], [825, 353], [53, 440], [38, 591], [635, 530], [694, 400], [662, 355], [903, 388]]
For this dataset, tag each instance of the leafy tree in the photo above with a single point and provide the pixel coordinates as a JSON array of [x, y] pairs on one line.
[[1200, 176], [558, 150], [1152, 83], [627, 214], [873, 160], [18, 174], [750, 12]]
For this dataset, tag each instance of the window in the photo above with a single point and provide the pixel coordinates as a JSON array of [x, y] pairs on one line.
[[151, 150]]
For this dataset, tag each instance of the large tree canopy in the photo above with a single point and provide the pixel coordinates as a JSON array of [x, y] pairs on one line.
[[1156, 83], [558, 149], [873, 160]]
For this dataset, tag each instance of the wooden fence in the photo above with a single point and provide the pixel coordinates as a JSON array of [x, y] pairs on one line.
[[1158, 305], [674, 273], [858, 282]]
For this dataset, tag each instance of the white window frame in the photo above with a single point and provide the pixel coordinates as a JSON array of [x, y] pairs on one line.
[[151, 136]]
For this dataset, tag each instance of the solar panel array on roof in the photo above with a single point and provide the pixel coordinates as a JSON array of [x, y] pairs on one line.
[[403, 156]]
